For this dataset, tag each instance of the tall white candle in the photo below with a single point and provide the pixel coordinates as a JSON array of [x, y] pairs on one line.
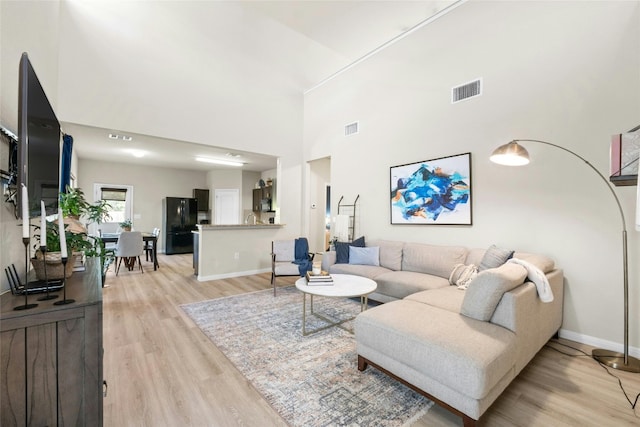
[[43, 225], [63, 237], [25, 213]]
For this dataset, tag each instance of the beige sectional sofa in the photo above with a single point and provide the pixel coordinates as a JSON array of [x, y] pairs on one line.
[[460, 348]]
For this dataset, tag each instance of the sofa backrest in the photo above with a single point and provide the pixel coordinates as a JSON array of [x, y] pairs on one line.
[[432, 259], [284, 250], [544, 263], [390, 253]]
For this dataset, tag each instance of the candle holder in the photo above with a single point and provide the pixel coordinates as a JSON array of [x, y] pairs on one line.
[[64, 299], [26, 305], [48, 296]]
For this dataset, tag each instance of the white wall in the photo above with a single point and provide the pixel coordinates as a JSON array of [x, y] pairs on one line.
[[38, 36], [565, 72], [167, 69], [319, 177], [151, 186]]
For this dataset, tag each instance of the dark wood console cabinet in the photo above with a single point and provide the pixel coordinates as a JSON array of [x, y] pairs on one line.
[[51, 356]]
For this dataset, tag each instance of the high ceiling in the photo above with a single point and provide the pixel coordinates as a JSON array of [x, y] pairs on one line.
[[343, 32]]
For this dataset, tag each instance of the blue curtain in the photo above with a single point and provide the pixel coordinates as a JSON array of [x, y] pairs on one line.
[[65, 172]]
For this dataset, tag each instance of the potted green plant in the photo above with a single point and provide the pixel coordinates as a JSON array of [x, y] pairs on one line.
[[126, 224], [75, 206], [73, 203], [76, 243]]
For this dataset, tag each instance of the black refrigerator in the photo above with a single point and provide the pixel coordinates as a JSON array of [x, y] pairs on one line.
[[180, 219]]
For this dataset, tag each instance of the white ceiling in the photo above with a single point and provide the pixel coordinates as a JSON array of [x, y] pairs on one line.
[[345, 31]]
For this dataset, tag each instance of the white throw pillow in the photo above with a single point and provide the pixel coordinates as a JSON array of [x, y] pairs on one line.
[[364, 256]]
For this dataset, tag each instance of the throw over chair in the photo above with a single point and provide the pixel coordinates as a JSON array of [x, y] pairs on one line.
[[130, 246], [283, 255]]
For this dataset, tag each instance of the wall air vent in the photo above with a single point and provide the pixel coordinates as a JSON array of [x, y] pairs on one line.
[[351, 129], [466, 91]]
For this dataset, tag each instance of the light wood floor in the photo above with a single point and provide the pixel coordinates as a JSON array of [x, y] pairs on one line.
[[163, 371]]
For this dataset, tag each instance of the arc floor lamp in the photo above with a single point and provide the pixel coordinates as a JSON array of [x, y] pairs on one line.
[[514, 154]]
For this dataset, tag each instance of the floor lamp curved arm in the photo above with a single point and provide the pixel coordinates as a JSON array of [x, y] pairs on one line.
[[514, 154]]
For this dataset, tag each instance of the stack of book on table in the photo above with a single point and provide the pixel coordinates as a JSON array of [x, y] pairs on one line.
[[324, 278]]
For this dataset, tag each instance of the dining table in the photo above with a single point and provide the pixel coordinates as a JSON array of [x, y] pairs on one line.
[[146, 237]]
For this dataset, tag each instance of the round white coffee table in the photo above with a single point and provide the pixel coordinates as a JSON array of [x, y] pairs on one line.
[[344, 286]]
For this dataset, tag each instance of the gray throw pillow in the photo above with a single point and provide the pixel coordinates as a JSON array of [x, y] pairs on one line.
[[494, 257], [364, 256], [486, 290], [342, 250]]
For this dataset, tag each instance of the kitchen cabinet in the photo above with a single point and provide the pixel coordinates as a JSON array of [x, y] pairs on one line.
[[257, 199], [202, 198], [262, 198]]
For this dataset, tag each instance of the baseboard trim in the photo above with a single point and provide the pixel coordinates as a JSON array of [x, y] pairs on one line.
[[598, 342], [230, 275]]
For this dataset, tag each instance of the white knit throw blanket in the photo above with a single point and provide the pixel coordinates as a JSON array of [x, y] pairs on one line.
[[538, 278]]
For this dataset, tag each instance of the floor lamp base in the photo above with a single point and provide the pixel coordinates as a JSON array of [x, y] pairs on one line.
[[615, 360]]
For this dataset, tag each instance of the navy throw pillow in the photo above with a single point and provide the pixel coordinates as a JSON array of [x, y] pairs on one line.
[[342, 249]]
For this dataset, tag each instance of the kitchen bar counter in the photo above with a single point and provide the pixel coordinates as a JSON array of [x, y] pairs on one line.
[[206, 227], [235, 249]]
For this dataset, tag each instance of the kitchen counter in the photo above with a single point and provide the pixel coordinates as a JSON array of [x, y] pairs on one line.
[[232, 250], [205, 227]]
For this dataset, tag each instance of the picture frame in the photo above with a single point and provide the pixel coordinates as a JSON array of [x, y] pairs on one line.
[[432, 192]]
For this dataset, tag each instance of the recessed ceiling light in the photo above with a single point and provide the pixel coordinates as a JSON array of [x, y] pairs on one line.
[[136, 153], [122, 137], [218, 161]]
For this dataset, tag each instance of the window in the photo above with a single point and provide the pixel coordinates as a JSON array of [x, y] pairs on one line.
[[116, 197], [120, 198]]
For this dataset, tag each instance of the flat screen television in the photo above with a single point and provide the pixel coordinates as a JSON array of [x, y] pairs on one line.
[[40, 139]]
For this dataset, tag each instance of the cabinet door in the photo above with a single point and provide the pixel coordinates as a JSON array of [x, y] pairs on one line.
[[202, 196], [266, 192], [12, 378], [257, 199]]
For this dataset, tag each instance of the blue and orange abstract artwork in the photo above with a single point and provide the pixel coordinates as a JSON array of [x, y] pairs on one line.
[[434, 191]]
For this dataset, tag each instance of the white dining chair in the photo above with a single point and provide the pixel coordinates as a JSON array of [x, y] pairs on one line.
[[130, 246]]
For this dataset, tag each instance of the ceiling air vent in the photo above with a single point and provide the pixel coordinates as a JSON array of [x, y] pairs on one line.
[[466, 91], [351, 129]]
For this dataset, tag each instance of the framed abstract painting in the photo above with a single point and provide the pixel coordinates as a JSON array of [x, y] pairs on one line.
[[436, 191]]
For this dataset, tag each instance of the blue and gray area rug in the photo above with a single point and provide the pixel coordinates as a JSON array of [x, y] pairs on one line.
[[312, 380]]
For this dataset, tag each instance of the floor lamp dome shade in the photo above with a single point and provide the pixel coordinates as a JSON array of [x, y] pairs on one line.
[[513, 154]]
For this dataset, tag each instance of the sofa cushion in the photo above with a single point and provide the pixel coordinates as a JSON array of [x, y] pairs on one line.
[[472, 363], [390, 253], [431, 259], [364, 256], [486, 290], [286, 268], [449, 298], [399, 284], [342, 249], [494, 257], [368, 271], [474, 256]]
